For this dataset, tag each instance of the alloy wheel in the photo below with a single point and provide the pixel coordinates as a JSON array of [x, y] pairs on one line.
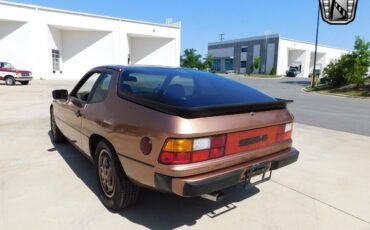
[[106, 174]]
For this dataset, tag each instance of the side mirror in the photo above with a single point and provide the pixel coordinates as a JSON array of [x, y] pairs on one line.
[[60, 94]]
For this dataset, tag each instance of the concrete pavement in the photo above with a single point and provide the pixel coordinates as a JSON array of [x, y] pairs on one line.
[[46, 186]]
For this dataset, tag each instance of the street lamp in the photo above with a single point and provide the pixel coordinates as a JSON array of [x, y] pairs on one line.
[[317, 37]]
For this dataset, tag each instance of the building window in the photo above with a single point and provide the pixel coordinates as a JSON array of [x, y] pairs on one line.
[[243, 64], [216, 65], [56, 59], [244, 49], [229, 64]]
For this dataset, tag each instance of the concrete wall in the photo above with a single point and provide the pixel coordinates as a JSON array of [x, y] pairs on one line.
[[29, 33], [265, 46], [275, 52], [154, 51], [291, 52], [222, 52], [14, 33]]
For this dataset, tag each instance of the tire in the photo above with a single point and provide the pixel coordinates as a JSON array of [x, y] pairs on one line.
[[117, 192], [9, 80], [56, 135], [24, 82]]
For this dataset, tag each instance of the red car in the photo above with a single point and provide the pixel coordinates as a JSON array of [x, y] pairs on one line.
[[10, 75]]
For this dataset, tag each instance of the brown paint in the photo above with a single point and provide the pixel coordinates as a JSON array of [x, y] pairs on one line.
[[124, 124]]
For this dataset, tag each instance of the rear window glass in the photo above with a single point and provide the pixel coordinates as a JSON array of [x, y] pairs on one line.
[[185, 88]]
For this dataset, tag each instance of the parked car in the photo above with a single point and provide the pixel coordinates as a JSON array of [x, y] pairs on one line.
[[10, 75], [292, 71], [174, 130]]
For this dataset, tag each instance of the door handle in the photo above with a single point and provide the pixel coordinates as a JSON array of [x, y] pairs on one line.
[[78, 113]]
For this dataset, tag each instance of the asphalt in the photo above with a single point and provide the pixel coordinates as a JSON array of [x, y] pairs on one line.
[[332, 112], [47, 186]]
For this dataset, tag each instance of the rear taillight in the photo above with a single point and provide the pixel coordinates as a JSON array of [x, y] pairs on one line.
[[284, 132], [185, 151]]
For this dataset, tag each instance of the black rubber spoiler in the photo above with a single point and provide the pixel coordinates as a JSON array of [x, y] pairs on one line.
[[209, 111]]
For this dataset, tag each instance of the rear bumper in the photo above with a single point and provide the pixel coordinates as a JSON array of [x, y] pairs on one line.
[[191, 186]]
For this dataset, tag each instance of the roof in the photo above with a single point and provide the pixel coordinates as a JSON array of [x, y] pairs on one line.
[[245, 39], [311, 43], [270, 36], [173, 25]]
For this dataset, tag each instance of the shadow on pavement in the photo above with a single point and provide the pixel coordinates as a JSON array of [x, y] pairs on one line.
[[296, 82], [167, 211], [154, 210], [16, 84]]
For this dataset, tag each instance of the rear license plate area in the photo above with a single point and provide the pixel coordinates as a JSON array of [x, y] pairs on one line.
[[257, 174]]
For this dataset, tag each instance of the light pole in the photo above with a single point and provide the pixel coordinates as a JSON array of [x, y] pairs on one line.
[[266, 34], [221, 37], [317, 38]]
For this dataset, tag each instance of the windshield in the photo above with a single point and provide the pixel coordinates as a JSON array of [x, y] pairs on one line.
[[6, 65], [186, 88]]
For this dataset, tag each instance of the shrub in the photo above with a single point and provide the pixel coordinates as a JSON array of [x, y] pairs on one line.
[[350, 68], [256, 64], [273, 71]]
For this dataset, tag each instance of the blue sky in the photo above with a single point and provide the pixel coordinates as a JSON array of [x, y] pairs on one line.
[[204, 20]]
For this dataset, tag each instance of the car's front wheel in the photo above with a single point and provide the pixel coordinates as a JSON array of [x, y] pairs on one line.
[[56, 135], [9, 80], [116, 190], [24, 82]]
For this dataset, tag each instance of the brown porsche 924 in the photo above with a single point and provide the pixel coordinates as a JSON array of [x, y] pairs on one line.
[[174, 130]]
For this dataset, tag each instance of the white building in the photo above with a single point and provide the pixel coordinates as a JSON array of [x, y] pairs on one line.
[[61, 44], [275, 51]]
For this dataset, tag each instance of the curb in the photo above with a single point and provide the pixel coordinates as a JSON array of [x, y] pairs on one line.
[[334, 94], [246, 77]]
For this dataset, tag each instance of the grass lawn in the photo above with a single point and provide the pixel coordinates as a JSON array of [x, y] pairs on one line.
[[344, 91]]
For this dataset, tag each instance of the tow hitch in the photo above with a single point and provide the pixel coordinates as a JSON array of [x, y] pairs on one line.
[[264, 170]]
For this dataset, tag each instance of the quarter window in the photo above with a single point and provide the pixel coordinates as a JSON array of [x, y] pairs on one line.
[[101, 90]]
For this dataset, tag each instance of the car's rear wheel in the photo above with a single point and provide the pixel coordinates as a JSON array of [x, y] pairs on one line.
[[24, 82], [56, 135], [116, 190], [9, 80]]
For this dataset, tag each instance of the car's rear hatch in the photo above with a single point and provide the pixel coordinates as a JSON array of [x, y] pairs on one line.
[[249, 137]]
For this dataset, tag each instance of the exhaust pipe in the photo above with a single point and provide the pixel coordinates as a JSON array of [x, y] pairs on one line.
[[216, 196]]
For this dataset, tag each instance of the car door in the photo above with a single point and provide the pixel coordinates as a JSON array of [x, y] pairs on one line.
[[95, 119], [72, 110]]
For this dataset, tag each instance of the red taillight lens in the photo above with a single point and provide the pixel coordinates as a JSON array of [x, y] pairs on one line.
[[216, 152], [217, 147], [284, 132], [218, 141], [201, 155], [170, 158], [198, 149], [166, 158]]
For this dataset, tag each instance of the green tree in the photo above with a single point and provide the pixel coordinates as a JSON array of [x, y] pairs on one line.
[[190, 59], [256, 64], [350, 68], [208, 62]]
